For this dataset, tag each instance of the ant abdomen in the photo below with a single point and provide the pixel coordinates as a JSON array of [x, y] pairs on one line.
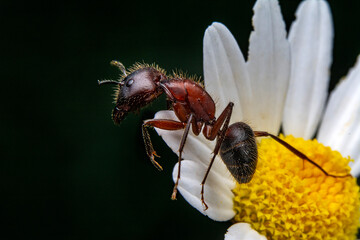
[[239, 152]]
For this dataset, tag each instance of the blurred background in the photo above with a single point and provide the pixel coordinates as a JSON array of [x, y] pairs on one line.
[[66, 171]]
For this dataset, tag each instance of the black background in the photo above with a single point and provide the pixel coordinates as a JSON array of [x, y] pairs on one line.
[[66, 172]]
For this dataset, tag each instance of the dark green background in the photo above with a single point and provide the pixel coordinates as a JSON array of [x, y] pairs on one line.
[[66, 172]]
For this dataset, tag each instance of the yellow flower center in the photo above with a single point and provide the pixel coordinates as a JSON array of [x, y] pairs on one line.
[[289, 198]]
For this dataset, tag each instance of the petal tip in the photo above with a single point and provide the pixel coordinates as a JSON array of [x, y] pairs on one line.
[[243, 231]]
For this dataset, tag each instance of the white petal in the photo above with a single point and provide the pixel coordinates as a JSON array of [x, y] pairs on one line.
[[268, 66], [198, 152], [197, 148], [226, 77], [218, 196], [311, 38], [243, 231], [340, 128]]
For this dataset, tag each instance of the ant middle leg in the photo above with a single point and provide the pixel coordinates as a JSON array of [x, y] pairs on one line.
[[218, 133], [297, 153], [181, 148]]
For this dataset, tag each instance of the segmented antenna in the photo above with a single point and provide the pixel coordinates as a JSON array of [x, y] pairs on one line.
[[109, 81], [120, 66]]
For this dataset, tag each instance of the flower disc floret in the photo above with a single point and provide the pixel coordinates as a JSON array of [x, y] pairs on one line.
[[290, 198]]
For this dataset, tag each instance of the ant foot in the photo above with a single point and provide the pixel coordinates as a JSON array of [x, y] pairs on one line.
[[173, 195], [204, 205], [202, 197], [154, 153], [155, 163]]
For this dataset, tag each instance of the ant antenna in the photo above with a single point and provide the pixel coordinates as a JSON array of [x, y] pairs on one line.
[[109, 81], [120, 66]]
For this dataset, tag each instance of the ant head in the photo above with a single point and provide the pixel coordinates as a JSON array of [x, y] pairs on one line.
[[138, 87]]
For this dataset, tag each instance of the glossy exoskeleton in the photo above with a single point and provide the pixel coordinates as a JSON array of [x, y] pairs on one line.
[[195, 109]]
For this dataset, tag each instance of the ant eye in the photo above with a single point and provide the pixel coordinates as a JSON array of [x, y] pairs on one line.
[[129, 82]]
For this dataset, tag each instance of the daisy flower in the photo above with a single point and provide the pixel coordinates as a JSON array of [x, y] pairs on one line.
[[284, 81]]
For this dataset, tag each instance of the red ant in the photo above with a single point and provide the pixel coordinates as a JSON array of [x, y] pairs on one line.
[[194, 107]]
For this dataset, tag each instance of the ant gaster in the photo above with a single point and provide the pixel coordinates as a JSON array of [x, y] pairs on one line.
[[194, 107]]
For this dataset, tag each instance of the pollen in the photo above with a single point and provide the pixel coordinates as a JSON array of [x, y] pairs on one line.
[[290, 198]]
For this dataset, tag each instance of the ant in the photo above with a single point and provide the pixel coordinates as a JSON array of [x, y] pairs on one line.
[[194, 107]]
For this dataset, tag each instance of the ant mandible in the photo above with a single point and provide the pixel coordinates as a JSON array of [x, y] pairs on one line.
[[194, 107]]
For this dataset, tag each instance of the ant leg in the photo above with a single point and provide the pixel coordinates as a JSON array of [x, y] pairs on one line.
[[162, 124], [182, 144], [297, 153], [149, 147], [223, 120]]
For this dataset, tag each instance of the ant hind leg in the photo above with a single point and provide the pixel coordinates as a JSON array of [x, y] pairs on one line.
[[297, 153]]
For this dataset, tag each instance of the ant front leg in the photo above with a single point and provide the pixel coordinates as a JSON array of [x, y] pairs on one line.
[[164, 124], [223, 120], [297, 153]]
